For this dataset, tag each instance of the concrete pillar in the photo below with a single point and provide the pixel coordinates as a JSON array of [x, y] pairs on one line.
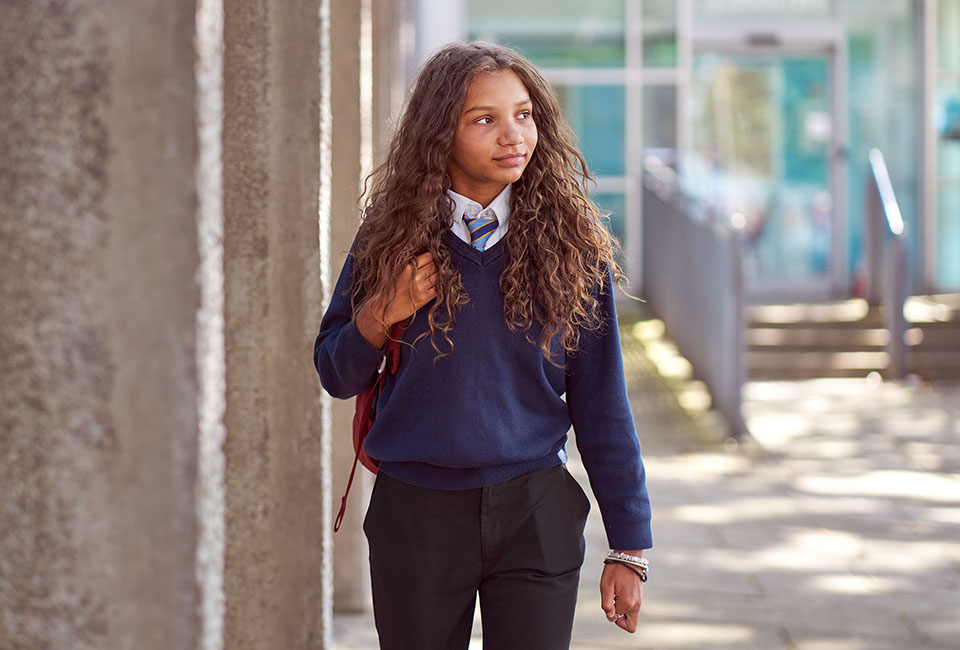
[[394, 66], [277, 590], [102, 286], [137, 319], [437, 23], [351, 569]]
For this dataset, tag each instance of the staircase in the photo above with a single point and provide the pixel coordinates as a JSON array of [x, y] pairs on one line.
[[847, 339]]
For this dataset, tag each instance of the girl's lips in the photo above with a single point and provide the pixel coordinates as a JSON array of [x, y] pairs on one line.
[[511, 159]]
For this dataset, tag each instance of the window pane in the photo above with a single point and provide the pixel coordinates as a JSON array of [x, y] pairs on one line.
[[660, 121], [948, 33], [614, 203], [948, 128], [596, 114], [659, 33], [553, 33], [948, 234]]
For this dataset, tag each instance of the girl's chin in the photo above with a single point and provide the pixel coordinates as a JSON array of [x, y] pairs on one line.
[[510, 174]]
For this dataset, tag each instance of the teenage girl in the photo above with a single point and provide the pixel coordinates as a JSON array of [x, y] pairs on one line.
[[479, 237]]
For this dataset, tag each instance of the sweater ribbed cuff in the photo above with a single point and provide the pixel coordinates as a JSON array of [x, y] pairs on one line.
[[631, 538]]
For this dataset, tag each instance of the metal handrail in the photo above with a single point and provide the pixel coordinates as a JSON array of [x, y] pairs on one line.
[[887, 260], [693, 281]]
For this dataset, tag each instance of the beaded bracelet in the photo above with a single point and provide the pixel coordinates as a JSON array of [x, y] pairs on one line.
[[635, 560], [642, 574], [641, 563]]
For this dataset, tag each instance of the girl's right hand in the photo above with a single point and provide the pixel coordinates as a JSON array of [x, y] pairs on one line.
[[413, 288]]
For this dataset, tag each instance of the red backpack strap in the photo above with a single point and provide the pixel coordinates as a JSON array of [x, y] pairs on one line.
[[343, 502]]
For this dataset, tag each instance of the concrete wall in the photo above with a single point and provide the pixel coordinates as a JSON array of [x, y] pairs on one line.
[[98, 354]]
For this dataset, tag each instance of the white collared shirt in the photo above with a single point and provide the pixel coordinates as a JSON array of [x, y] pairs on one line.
[[500, 207]]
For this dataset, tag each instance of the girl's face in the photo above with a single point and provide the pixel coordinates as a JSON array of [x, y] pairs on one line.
[[495, 137]]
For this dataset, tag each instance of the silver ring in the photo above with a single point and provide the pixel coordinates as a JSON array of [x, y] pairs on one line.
[[618, 617]]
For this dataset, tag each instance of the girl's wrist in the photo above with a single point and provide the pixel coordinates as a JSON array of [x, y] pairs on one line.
[[370, 323]]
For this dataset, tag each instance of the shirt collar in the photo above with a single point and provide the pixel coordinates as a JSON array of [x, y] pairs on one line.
[[500, 205]]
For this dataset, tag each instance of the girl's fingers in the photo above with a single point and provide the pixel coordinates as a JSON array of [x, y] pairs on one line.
[[426, 270], [423, 259], [431, 280]]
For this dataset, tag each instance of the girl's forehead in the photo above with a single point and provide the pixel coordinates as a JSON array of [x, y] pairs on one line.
[[497, 82]]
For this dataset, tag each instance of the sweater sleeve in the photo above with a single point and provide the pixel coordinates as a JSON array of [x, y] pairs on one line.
[[605, 432], [346, 362]]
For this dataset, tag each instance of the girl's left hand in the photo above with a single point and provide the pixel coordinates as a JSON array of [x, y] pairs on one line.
[[621, 593]]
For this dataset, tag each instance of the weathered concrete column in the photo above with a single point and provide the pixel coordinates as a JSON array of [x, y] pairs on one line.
[[394, 66], [351, 573], [276, 590], [108, 336]]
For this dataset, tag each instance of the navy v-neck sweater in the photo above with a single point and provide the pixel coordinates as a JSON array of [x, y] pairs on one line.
[[495, 407]]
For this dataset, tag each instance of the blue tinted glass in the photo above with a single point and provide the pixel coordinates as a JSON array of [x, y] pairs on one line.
[[596, 114], [948, 33], [714, 10], [613, 203], [948, 234], [948, 128], [659, 33], [882, 113], [659, 117]]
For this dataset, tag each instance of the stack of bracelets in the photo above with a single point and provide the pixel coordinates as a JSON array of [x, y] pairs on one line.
[[633, 562]]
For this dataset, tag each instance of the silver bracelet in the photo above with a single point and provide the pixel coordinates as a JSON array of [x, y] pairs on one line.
[[635, 560]]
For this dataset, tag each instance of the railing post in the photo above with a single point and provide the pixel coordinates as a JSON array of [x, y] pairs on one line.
[[895, 296], [888, 249]]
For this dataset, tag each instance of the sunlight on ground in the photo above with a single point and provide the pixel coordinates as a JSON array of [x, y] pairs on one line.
[[667, 360], [698, 635], [901, 484], [853, 585], [734, 510], [777, 430]]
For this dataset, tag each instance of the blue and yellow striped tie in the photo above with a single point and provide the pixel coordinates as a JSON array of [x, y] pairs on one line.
[[480, 225]]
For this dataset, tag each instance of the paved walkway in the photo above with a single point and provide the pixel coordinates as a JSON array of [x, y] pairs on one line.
[[840, 530]]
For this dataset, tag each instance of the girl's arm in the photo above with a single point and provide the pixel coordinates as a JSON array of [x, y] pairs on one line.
[[347, 351], [605, 432], [607, 440], [346, 362]]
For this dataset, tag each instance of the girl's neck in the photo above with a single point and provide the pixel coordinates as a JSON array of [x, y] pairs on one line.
[[482, 195]]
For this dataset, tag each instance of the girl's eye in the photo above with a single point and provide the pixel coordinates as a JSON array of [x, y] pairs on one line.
[[484, 120], [523, 115]]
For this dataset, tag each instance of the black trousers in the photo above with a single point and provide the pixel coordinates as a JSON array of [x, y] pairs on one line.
[[518, 543]]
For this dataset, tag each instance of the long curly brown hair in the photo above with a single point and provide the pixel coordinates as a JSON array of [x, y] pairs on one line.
[[558, 246]]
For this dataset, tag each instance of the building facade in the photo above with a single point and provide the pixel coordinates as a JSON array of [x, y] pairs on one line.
[[768, 109]]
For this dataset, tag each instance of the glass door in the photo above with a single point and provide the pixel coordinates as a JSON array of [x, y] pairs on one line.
[[762, 152]]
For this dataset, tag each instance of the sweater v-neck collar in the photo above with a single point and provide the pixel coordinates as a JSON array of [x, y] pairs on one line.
[[465, 250]]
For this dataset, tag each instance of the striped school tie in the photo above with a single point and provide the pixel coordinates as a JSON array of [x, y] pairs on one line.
[[480, 223]]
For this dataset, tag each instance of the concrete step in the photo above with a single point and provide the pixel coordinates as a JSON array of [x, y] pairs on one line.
[[797, 338], [934, 364], [848, 313], [848, 338], [925, 336], [817, 363]]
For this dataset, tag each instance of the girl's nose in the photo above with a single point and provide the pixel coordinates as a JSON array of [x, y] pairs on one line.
[[511, 135]]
